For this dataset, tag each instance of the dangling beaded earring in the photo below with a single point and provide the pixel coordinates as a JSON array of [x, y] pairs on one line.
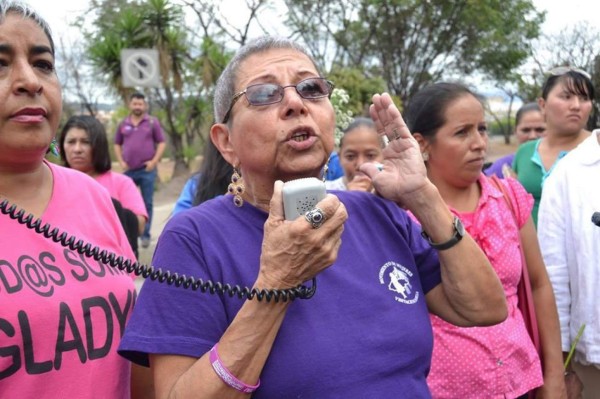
[[53, 148], [326, 168], [425, 156], [236, 188]]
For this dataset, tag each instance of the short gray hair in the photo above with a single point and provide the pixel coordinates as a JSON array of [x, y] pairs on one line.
[[26, 11], [225, 88]]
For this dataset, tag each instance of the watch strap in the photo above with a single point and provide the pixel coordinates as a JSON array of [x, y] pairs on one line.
[[455, 239]]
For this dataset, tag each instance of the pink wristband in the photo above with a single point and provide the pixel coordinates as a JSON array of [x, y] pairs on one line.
[[226, 375]]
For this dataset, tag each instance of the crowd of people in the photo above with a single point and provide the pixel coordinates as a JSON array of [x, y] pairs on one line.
[[402, 281]]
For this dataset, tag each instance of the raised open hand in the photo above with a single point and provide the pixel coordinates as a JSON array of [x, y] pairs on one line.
[[403, 174]]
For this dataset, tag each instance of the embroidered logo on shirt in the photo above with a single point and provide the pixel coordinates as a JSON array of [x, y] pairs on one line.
[[397, 278]]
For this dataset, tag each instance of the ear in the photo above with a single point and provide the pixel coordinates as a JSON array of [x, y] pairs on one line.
[[542, 103], [423, 142], [219, 134]]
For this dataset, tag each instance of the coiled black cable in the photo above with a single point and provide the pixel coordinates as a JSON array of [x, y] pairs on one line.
[[183, 281]]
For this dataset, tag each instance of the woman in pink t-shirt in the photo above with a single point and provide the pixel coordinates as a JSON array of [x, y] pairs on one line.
[[499, 361], [84, 146], [62, 314]]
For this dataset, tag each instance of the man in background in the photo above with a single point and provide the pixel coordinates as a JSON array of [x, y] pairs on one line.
[[139, 146]]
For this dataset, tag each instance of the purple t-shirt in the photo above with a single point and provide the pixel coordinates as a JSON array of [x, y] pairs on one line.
[[496, 167], [365, 333], [139, 142]]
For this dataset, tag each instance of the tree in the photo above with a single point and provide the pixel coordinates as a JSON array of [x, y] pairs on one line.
[[75, 78], [152, 24], [359, 86], [577, 46], [415, 42], [503, 121], [213, 21]]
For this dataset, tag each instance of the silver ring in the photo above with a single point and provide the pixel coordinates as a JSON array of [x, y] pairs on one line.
[[315, 217]]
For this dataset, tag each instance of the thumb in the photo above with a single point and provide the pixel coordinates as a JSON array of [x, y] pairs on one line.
[[276, 206], [371, 168]]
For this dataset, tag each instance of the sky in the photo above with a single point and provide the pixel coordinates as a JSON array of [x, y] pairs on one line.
[[560, 13], [563, 13]]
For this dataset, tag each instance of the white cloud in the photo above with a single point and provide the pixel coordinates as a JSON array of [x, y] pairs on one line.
[[561, 14], [59, 15]]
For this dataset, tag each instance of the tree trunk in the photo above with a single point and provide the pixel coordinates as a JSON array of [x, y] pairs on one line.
[[181, 167]]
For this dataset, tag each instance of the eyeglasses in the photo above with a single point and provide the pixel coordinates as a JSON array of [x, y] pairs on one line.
[[271, 93], [561, 70]]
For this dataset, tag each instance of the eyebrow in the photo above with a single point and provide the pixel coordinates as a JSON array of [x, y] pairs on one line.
[[35, 50], [272, 78]]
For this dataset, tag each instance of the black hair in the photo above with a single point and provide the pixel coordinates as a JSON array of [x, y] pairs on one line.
[[214, 176], [98, 141], [26, 11], [137, 95], [426, 109], [357, 122], [525, 108], [575, 82]]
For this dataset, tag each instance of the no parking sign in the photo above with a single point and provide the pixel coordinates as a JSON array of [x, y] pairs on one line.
[[140, 68]]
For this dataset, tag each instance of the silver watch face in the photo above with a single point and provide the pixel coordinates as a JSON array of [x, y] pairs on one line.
[[460, 228]]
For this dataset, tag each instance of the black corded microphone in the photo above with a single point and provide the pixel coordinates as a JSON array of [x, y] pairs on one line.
[[596, 218]]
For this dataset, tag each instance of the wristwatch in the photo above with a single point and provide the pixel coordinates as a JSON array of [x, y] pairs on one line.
[[459, 232]]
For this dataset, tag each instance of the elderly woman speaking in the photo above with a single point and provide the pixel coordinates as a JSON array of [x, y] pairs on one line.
[[366, 331]]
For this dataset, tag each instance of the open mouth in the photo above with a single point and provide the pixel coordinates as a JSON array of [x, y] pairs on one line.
[[300, 136]]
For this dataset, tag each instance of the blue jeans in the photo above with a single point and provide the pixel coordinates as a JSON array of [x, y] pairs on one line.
[[145, 181]]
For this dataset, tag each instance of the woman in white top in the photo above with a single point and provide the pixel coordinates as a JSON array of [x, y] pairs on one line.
[[359, 144], [569, 241]]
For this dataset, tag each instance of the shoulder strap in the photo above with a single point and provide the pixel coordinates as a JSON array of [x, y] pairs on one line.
[[496, 182], [524, 294]]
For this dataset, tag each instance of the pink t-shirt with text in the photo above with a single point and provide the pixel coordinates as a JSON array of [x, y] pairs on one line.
[[62, 314]]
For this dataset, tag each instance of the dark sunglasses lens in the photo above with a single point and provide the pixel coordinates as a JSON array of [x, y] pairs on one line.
[[313, 88], [263, 94]]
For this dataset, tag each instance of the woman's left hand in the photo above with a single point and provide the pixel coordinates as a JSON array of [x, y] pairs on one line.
[[404, 174], [554, 387]]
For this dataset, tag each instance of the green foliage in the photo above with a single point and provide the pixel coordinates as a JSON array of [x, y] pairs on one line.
[[415, 42], [576, 45], [360, 86], [343, 116], [181, 102], [367, 47], [498, 127]]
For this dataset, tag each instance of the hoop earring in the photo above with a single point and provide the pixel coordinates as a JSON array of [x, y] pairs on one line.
[[236, 188]]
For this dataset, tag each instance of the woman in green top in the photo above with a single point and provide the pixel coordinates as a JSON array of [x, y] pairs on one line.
[[566, 104]]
